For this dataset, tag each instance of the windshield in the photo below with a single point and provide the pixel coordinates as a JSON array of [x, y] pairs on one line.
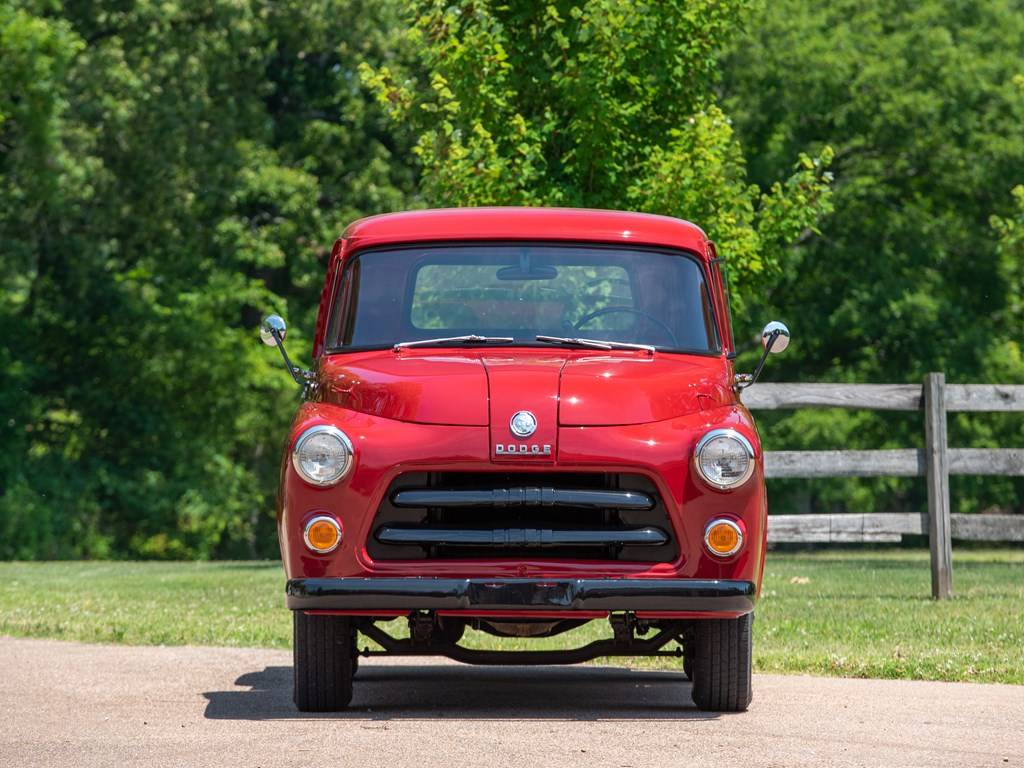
[[633, 295]]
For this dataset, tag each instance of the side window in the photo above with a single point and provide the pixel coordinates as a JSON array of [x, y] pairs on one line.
[[344, 306], [321, 338], [721, 281]]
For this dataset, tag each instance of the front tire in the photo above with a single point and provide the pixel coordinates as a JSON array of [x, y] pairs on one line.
[[324, 662], [722, 664]]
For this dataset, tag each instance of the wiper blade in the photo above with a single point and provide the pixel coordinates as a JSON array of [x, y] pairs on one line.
[[470, 339], [595, 343]]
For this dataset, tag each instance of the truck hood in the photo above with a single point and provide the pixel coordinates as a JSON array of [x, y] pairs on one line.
[[562, 388]]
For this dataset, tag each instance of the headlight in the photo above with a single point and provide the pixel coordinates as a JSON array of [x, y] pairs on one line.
[[724, 458], [322, 455]]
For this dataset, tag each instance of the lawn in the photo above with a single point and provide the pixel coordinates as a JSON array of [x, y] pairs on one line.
[[854, 613]]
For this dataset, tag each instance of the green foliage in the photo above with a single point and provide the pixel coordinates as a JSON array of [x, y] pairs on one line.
[[603, 104], [1010, 267], [923, 104], [168, 172]]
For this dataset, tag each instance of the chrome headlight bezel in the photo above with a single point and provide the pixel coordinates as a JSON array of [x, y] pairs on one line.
[[744, 444], [343, 441]]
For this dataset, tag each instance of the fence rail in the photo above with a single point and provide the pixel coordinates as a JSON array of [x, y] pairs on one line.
[[935, 462], [884, 397], [907, 462], [881, 527]]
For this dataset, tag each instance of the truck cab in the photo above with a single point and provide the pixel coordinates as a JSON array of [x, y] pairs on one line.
[[519, 421]]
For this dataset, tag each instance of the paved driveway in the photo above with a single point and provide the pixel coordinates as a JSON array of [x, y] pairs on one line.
[[66, 704]]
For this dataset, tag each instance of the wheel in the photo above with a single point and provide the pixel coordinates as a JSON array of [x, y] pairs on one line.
[[323, 662], [721, 664]]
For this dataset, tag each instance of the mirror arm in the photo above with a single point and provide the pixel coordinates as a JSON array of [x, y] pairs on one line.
[[746, 381], [302, 377]]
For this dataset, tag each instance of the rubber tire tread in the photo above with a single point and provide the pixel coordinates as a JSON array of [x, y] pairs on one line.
[[722, 664], [322, 651]]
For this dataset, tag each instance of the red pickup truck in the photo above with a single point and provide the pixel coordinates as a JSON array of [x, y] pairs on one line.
[[520, 421]]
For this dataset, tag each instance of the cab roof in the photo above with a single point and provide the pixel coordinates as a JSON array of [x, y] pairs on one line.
[[569, 224]]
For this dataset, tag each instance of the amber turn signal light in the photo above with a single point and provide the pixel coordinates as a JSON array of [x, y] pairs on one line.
[[322, 534], [723, 537]]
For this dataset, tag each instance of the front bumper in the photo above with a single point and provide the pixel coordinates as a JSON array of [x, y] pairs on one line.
[[699, 596]]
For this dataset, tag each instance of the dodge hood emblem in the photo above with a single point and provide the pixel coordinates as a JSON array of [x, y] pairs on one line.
[[523, 424]]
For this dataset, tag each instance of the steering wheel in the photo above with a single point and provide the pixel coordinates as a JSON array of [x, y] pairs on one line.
[[578, 325]]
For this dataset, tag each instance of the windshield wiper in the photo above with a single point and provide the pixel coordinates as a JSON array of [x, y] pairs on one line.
[[595, 343], [470, 339]]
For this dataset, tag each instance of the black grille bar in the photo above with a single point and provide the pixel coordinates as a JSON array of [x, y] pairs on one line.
[[520, 537], [443, 515], [427, 594], [523, 497]]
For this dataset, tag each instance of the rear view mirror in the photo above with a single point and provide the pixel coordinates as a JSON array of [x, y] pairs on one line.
[[775, 337], [273, 330]]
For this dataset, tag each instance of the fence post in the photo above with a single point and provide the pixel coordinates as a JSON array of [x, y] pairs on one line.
[[939, 528]]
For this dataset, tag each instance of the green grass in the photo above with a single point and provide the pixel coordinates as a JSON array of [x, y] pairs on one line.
[[854, 613]]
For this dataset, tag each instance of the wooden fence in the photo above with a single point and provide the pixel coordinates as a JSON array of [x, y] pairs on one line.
[[936, 462]]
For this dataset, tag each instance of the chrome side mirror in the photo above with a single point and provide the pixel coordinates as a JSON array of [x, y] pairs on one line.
[[272, 332], [774, 337], [272, 323]]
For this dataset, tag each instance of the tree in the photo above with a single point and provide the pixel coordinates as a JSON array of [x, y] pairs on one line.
[[599, 103], [35, 55], [1009, 350], [923, 104], [168, 172]]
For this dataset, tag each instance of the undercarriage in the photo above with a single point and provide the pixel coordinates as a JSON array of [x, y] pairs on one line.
[[715, 653], [433, 635]]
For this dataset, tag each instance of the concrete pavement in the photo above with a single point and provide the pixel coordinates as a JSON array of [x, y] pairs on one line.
[[68, 704]]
